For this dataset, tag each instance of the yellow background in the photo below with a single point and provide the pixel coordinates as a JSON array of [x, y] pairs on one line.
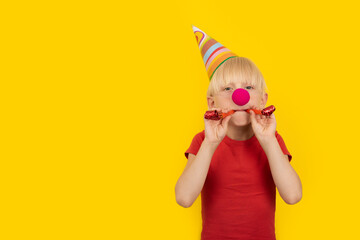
[[100, 100]]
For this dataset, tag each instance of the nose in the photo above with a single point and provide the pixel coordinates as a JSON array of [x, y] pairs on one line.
[[240, 96]]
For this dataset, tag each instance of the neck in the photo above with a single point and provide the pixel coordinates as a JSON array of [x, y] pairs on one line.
[[240, 133]]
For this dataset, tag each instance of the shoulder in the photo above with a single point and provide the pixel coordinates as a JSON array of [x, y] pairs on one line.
[[279, 138], [277, 135], [200, 136], [283, 145], [196, 143]]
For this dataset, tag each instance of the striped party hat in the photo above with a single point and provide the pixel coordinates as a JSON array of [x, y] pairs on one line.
[[213, 53]]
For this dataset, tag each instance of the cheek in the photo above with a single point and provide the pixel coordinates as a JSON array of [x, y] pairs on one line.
[[254, 104], [255, 99]]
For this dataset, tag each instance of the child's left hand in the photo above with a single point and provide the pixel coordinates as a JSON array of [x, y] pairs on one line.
[[263, 126]]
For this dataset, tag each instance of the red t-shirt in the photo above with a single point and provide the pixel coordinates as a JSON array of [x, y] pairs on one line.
[[238, 196]]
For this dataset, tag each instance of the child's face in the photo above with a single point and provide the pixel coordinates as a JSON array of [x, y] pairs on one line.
[[223, 100]]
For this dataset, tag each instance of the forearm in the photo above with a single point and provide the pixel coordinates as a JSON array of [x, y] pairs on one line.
[[285, 178], [192, 180]]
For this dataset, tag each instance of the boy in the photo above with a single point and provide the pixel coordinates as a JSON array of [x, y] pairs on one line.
[[237, 162]]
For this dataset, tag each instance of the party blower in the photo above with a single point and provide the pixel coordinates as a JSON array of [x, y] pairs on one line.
[[217, 115]]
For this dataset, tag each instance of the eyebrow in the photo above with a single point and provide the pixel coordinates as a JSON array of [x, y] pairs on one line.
[[245, 83]]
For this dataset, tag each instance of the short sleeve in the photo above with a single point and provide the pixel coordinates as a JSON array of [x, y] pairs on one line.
[[195, 144], [282, 145]]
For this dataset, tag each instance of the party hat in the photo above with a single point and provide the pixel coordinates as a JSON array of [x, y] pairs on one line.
[[213, 53]]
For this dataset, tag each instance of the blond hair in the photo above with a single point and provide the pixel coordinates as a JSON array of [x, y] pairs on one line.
[[237, 69]]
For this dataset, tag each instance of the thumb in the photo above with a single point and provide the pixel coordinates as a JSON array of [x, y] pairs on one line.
[[252, 116], [272, 116], [225, 121]]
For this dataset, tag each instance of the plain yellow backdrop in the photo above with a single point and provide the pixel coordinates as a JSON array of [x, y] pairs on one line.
[[100, 100]]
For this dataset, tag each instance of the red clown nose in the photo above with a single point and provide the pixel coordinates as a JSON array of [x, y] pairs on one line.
[[240, 96]]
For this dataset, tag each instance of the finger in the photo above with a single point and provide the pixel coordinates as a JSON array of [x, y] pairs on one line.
[[259, 118], [254, 119], [226, 121], [252, 116]]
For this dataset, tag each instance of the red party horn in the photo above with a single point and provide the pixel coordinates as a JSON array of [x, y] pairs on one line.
[[217, 115], [266, 111]]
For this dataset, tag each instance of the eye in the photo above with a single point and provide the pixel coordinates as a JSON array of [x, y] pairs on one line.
[[227, 88], [249, 87]]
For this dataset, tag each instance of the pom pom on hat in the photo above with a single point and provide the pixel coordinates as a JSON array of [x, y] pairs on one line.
[[213, 53]]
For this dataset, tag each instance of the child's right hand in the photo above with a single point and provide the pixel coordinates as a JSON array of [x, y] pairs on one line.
[[215, 130]]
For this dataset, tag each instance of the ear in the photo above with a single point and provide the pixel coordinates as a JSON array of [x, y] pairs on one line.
[[211, 103], [264, 100]]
